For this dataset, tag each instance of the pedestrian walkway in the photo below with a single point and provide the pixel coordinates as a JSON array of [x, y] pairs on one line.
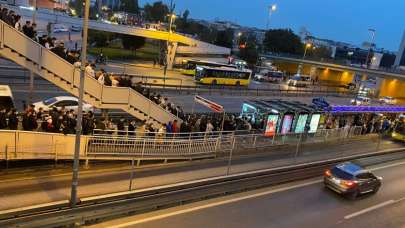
[[36, 190]]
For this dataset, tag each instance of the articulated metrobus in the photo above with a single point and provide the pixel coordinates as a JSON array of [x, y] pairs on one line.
[[189, 66], [222, 76], [399, 131]]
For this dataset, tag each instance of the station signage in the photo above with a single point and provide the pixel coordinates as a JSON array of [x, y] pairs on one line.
[[209, 104]]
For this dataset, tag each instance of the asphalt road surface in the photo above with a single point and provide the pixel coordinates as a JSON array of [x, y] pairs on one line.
[[300, 204]]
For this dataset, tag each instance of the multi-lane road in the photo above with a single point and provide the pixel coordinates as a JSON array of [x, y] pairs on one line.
[[299, 204], [18, 79]]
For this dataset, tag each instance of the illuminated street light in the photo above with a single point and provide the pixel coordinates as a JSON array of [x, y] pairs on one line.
[[272, 9], [172, 18], [372, 31], [307, 46]]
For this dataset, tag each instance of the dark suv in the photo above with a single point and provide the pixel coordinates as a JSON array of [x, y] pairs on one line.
[[351, 180]]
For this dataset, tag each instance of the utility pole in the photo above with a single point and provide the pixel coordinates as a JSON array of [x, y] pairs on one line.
[[76, 161], [31, 88], [272, 9], [371, 45]]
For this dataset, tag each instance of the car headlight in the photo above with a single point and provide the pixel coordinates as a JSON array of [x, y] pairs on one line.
[[352, 101]]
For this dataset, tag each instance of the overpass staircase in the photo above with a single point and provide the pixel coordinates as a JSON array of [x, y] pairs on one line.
[[31, 55]]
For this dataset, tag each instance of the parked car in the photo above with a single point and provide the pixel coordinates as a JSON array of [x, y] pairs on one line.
[[269, 76], [351, 180], [387, 100], [76, 28], [299, 81], [350, 86], [61, 101], [58, 28], [360, 101]]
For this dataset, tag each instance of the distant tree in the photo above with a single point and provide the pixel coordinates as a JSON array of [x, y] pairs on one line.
[[100, 38], [225, 38], [185, 15], [130, 6], [248, 49], [77, 5], [283, 41], [132, 42], [156, 12]]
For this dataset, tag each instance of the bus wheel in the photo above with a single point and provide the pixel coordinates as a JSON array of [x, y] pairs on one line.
[[237, 83], [214, 82]]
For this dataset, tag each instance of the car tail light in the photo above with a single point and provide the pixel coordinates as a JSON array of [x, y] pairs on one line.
[[328, 173], [349, 184]]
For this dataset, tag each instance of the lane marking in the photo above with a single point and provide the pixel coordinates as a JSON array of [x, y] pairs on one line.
[[184, 211], [157, 217], [388, 166], [368, 209]]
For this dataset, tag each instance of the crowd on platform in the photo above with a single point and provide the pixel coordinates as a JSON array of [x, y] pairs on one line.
[[64, 121]]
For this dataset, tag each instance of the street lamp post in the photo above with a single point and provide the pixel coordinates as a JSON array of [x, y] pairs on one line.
[[272, 9], [75, 175], [168, 54], [371, 45], [307, 46]]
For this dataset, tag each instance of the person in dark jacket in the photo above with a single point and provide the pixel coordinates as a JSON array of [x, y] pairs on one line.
[[60, 50], [3, 119], [26, 28], [13, 120]]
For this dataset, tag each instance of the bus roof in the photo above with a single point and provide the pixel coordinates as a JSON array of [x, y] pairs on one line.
[[209, 62], [227, 69]]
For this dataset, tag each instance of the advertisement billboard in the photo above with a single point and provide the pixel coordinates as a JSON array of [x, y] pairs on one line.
[[313, 126], [271, 125], [287, 122], [302, 120]]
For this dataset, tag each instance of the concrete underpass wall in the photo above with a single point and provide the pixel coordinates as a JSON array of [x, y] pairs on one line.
[[323, 74], [393, 88]]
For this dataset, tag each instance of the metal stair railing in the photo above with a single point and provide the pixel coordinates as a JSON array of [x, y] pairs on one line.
[[107, 96]]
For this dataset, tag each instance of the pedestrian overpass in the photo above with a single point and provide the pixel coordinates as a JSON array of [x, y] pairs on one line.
[[388, 83], [333, 66], [29, 54], [188, 45]]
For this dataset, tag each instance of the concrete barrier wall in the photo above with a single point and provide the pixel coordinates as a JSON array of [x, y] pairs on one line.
[[38, 145]]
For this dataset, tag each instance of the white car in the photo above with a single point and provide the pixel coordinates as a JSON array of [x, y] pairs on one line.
[[360, 101], [59, 29], [388, 100], [299, 81], [62, 101]]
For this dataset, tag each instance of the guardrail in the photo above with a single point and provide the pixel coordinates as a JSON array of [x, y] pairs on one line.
[[16, 145]]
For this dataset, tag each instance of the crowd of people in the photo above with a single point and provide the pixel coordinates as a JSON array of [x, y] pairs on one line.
[[64, 121], [370, 123], [29, 29]]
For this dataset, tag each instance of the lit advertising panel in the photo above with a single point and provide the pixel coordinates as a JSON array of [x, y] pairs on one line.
[[271, 125], [313, 126], [302, 120], [287, 122]]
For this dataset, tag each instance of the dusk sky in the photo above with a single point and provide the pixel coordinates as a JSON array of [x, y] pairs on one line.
[[341, 20]]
